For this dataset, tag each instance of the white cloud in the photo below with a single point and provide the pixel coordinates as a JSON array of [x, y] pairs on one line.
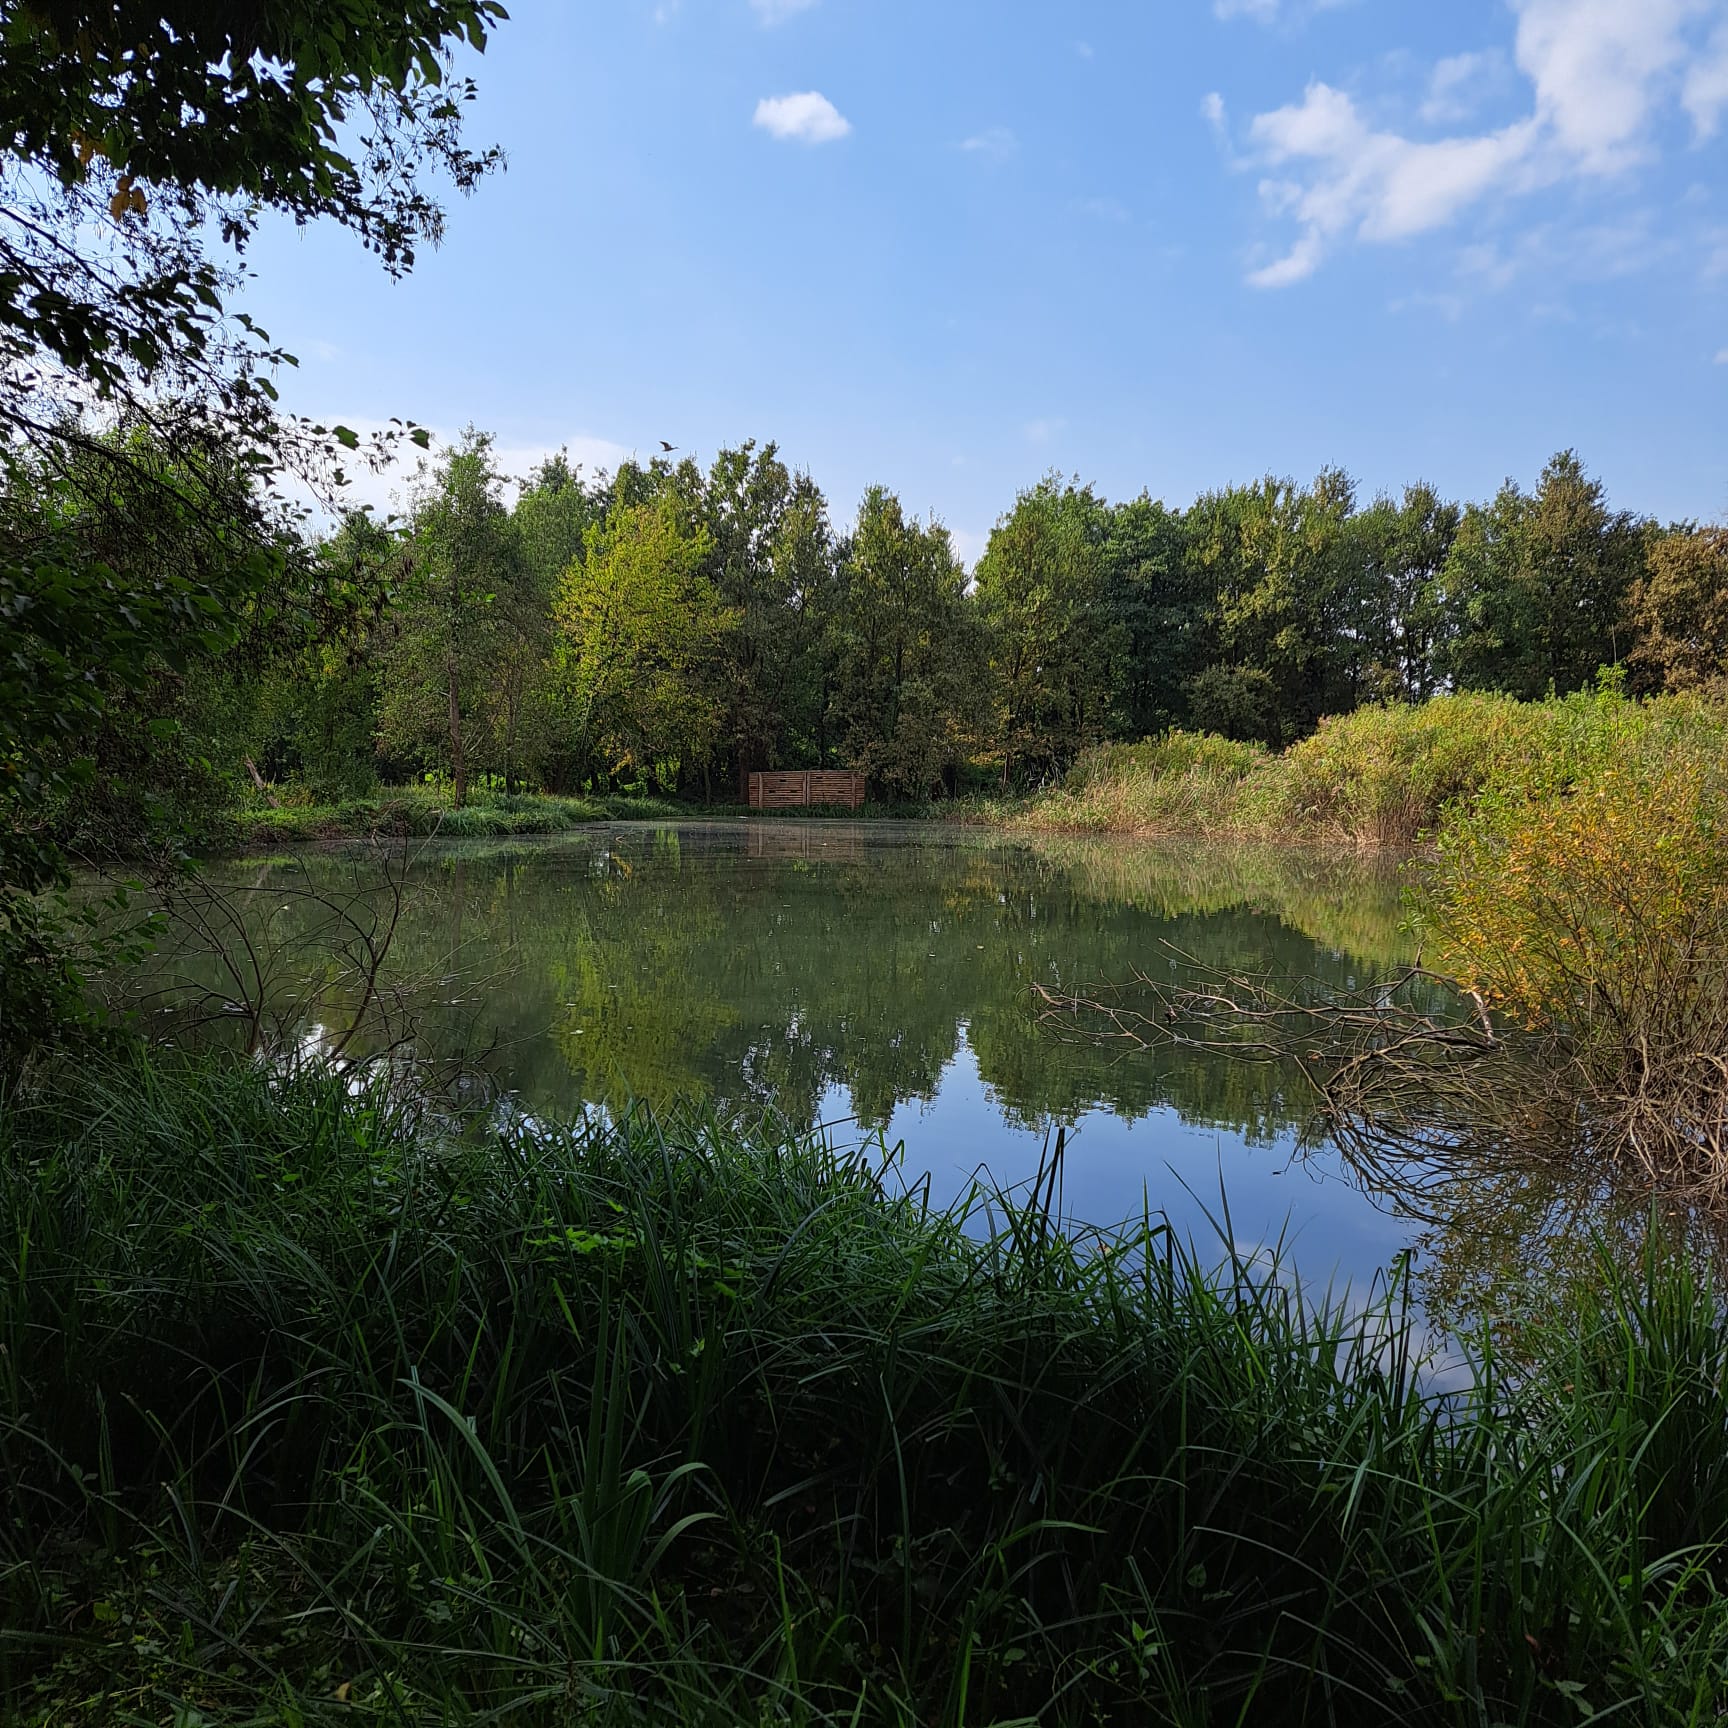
[[1376, 185], [994, 144], [1043, 431], [778, 11], [1457, 85], [1555, 253], [1212, 110], [1705, 94], [1597, 67], [1722, 356], [1084, 50], [1600, 71], [806, 118]]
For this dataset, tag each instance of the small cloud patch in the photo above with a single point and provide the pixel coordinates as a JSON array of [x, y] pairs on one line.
[[994, 144], [805, 118], [778, 11]]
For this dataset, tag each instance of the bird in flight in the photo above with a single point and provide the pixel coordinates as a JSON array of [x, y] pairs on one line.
[[666, 448]]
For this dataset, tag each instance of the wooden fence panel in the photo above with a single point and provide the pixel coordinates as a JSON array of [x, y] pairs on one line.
[[800, 788]]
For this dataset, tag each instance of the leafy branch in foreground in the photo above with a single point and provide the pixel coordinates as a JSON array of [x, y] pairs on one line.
[[144, 144]]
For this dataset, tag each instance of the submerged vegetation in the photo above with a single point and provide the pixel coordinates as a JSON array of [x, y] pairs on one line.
[[314, 1411]]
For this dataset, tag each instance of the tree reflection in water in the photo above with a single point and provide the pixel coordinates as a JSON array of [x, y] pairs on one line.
[[809, 968]]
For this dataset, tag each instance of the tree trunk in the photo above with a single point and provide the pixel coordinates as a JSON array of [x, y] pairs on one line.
[[458, 763], [274, 802]]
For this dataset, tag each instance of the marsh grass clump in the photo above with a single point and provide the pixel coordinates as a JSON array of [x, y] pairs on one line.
[[1385, 775], [312, 1410], [1179, 782]]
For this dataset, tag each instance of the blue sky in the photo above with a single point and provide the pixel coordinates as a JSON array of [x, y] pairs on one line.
[[1164, 244]]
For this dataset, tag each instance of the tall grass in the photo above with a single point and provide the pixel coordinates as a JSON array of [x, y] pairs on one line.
[[1381, 776], [313, 1412]]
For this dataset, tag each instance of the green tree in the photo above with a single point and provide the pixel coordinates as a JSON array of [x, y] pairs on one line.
[[143, 145], [1056, 641], [808, 577], [771, 559], [1285, 601], [309, 702], [744, 501], [552, 517], [1678, 611], [1536, 585], [639, 624], [905, 663], [452, 622], [1153, 595], [1401, 546]]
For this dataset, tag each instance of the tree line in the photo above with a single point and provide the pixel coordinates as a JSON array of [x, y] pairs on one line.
[[678, 625]]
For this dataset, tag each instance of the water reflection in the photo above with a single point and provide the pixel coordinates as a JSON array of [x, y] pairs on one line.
[[880, 975]]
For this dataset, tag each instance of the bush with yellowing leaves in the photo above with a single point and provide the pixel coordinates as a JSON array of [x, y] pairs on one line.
[[1594, 919]]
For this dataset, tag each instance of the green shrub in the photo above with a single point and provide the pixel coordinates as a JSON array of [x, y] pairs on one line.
[[1594, 915], [1380, 776], [1182, 780]]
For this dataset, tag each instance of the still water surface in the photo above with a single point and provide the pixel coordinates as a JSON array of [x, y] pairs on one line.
[[880, 978]]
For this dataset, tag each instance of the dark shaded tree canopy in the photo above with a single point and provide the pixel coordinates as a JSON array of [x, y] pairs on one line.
[[142, 457]]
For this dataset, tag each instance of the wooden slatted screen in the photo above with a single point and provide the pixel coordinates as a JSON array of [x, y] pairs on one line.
[[803, 787]]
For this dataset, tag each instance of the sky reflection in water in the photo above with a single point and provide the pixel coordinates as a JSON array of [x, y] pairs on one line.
[[879, 978]]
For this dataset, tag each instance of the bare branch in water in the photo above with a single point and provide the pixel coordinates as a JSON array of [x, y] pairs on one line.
[[1414, 1081]]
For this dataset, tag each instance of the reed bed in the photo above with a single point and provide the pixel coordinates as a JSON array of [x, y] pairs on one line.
[[314, 1409]]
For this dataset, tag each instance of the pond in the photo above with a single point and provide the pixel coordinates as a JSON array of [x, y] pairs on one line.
[[869, 977]]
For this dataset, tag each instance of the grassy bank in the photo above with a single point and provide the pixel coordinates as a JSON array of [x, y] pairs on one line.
[[1377, 777], [310, 1415], [425, 811]]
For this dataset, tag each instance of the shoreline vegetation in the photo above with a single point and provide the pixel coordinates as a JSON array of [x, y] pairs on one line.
[[316, 1409], [1379, 777], [324, 1403]]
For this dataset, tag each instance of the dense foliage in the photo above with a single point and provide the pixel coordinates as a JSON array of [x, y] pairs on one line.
[[142, 524], [309, 1414], [1593, 915], [677, 626]]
